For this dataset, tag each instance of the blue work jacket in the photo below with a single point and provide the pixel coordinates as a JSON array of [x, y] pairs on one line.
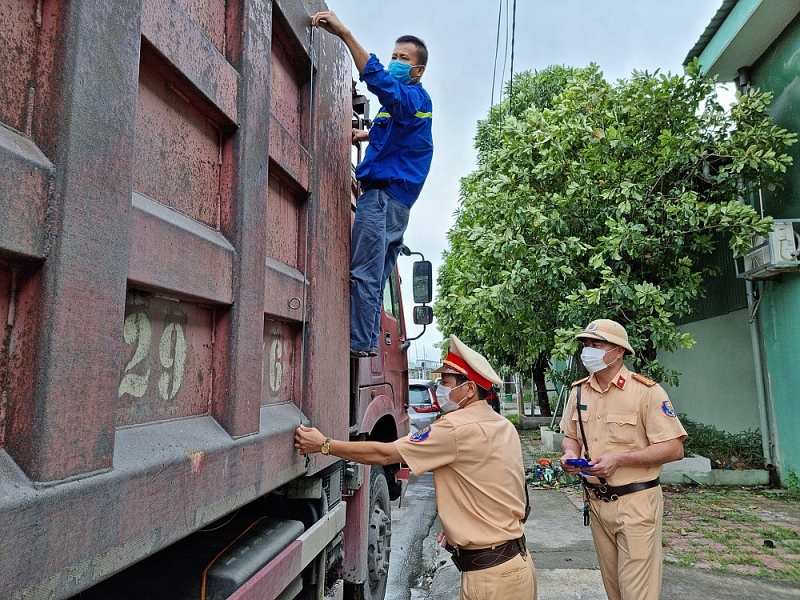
[[398, 157]]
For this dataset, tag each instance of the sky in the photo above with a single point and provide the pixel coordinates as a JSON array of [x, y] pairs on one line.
[[461, 35]]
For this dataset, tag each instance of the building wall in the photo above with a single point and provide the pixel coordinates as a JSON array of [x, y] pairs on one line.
[[778, 71], [780, 322], [717, 386]]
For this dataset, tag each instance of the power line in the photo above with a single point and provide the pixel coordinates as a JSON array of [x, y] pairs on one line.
[[505, 52], [496, 52], [513, 39]]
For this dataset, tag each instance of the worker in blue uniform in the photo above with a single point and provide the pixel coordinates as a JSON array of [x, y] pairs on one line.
[[394, 169]]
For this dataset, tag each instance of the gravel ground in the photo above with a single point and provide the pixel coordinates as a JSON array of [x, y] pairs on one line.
[[747, 531]]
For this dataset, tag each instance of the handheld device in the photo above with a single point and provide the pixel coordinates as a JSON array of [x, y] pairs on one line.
[[578, 462]]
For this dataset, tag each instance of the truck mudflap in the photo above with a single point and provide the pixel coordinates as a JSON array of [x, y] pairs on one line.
[[283, 572]]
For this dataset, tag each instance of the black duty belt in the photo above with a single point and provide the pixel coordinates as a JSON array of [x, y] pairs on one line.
[[485, 558], [609, 493]]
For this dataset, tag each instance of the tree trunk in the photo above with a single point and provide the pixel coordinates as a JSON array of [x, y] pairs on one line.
[[539, 370]]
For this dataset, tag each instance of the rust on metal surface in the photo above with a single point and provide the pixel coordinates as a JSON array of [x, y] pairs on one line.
[[7, 316], [23, 204], [244, 190], [289, 92], [59, 425], [199, 58], [178, 148], [21, 24], [173, 253], [285, 225], [209, 16]]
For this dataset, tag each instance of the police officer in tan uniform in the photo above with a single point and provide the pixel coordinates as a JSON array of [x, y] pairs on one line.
[[476, 459], [629, 430]]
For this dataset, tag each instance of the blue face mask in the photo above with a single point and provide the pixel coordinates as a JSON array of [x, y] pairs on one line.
[[400, 71]]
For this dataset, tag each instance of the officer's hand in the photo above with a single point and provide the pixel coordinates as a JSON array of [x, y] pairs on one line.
[[329, 22], [308, 440], [603, 466], [441, 539], [360, 135], [570, 468]]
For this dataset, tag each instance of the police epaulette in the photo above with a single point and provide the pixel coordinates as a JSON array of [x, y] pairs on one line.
[[642, 379], [580, 381]]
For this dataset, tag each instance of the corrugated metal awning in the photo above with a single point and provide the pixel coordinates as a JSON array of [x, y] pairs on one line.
[[711, 29]]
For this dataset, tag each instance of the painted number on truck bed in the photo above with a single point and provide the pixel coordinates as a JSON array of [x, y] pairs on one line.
[[277, 362], [171, 353], [166, 359], [275, 366]]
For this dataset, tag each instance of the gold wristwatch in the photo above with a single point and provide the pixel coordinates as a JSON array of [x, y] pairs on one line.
[[326, 447]]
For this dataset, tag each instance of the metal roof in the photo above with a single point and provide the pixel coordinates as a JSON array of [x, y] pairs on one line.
[[740, 33], [711, 29]]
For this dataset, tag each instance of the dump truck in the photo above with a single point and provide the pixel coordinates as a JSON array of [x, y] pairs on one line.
[[176, 198]]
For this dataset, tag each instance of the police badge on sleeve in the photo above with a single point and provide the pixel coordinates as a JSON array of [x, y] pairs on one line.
[[421, 435], [666, 406]]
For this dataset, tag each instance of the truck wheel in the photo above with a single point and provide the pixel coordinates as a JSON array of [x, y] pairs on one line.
[[378, 541]]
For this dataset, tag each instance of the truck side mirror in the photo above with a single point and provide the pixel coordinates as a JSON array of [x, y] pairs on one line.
[[422, 281], [423, 315]]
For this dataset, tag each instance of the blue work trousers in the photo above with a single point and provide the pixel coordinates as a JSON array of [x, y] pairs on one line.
[[378, 232]]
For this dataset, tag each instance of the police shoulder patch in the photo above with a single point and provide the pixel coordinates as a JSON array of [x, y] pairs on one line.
[[421, 435], [642, 379], [666, 406], [580, 381]]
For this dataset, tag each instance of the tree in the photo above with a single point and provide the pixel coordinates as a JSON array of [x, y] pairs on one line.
[[594, 199]]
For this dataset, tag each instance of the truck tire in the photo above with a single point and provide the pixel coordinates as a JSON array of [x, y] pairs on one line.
[[378, 541]]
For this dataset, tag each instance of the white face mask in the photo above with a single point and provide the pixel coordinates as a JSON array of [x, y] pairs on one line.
[[443, 398], [592, 359]]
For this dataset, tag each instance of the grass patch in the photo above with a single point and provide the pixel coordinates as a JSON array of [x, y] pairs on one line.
[[724, 529], [736, 516], [792, 546], [687, 560], [718, 536], [792, 574], [514, 420], [776, 532]]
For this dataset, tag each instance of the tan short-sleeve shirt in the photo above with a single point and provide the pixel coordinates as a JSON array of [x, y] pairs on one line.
[[476, 458], [629, 415]]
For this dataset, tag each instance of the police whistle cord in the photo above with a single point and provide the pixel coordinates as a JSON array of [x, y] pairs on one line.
[[587, 518]]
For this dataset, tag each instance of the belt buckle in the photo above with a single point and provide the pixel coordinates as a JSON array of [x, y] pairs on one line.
[[601, 492]]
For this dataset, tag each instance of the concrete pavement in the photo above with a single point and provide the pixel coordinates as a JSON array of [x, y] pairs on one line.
[[566, 565]]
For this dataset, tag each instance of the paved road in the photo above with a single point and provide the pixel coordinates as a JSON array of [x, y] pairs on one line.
[[562, 551], [413, 517]]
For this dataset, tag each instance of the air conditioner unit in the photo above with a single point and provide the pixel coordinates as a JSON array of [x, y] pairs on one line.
[[779, 247]]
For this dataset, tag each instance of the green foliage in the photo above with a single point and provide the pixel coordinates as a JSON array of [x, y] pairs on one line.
[[594, 199], [793, 482], [514, 420], [725, 450]]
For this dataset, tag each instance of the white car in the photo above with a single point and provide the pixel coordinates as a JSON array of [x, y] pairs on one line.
[[422, 405]]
